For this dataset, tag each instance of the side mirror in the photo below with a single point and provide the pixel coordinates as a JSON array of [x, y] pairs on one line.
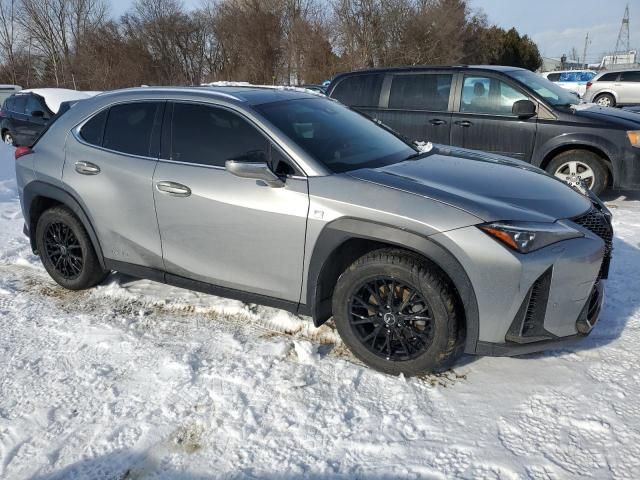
[[256, 170], [523, 109]]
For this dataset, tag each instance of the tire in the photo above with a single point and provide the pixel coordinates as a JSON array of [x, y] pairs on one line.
[[437, 340], [605, 100], [7, 138], [66, 250], [574, 165]]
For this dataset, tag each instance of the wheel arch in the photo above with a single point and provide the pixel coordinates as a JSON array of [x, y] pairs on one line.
[[599, 151], [343, 241], [40, 196]]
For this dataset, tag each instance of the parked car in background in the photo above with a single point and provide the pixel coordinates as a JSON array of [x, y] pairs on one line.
[[614, 88], [8, 90], [25, 114], [503, 110], [288, 199], [315, 88], [572, 80]]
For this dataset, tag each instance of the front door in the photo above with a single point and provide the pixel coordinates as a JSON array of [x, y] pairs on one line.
[[483, 120], [221, 229], [417, 106]]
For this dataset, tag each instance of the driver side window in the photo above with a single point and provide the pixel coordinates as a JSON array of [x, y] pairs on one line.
[[488, 96], [208, 135]]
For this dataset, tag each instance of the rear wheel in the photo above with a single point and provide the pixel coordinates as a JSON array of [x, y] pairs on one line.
[[577, 166], [66, 250], [605, 100], [7, 138], [397, 313]]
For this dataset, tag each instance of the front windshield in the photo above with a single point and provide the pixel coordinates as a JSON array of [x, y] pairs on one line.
[[334, 135], [551, 92]]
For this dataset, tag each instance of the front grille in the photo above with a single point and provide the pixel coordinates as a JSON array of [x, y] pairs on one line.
[[596, 221]]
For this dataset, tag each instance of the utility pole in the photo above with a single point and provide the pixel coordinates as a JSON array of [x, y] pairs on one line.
[[584, 52], [622, 44]]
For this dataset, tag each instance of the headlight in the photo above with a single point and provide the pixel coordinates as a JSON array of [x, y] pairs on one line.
[[525, 237], [634, 137]]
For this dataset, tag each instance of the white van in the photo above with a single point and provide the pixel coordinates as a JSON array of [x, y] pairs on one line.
[[572, 80]]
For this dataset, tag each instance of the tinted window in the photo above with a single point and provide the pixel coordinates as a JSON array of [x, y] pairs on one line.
[[92, 131], [335, 136], [19, 103], [33, 105], [8, 104], [129, 127], [359, 90], [420, 92], [488, 95], [631, 76], [608, 77], [553, 77], [211, 136]]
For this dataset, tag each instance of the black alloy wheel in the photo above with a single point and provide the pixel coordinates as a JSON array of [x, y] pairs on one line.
[[63, 250], [391, 318]]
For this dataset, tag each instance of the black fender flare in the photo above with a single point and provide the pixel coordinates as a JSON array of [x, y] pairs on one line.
[[339, 231], [577, 141], [42, 189]]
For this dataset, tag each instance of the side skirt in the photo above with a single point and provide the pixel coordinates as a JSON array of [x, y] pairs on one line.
[[203, 287]]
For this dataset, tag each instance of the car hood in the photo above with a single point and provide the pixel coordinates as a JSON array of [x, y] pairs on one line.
[[491, 187], [617, 116]]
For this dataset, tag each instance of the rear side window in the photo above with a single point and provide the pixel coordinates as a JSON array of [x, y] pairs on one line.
[[359, 90], [608, 77], [19, 104], [92, 131], [553, 77], [210, 136], [8, 104], [129, 127], [631, 76], [420, 92], [33, 105]]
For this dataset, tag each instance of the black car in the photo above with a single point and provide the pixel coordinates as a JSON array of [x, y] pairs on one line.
[[24, 116], [503, 110]]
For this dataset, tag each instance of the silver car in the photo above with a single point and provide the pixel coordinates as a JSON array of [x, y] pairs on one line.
[[287, 199], [613, 88]]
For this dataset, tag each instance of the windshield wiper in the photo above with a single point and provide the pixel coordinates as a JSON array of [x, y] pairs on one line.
[[415, 156]]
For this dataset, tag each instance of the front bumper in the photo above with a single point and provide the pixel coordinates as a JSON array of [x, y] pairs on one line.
[[531, 302]]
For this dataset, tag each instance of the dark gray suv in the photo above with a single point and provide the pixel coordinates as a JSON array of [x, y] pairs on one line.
[[503, 110], [288, 199]]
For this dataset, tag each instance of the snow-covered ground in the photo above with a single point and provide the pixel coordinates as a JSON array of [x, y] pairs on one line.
[[139, 380]]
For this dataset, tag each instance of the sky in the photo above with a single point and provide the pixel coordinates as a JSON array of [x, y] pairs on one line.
[[555, 25]]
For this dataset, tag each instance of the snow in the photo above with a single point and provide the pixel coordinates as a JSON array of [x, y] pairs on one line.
[[226, 83], [135, 379], [53, 97]]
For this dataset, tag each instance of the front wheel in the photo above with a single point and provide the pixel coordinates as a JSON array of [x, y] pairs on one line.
[[66, 250], [397, 313], [580, 166]]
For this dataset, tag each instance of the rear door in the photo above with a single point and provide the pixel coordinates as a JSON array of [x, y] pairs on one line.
[[109, 164], [217, 228], [629, 89], [482, 118], [19, 119], [417, 104]]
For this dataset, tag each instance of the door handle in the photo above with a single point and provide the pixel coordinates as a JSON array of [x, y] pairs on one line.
[[87, 168], [437, 121], [463, 123], [173, 188]]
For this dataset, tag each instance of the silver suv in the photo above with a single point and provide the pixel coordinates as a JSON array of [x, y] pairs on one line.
[[288, 199], [611, 88]]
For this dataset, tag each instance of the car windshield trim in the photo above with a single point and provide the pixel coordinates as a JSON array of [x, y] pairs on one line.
[[544, 88]]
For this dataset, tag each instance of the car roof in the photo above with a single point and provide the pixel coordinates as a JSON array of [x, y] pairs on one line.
[[618, 70], [247, 94], [422, 68]]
